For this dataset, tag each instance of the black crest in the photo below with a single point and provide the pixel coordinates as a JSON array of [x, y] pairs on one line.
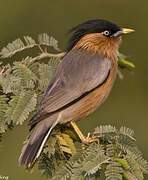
[[91, 26]]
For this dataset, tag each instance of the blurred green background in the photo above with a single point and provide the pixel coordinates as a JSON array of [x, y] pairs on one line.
[[128, 103]]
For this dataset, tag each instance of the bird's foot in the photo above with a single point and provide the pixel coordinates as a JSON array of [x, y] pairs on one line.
[[89, 139], [85, 139]]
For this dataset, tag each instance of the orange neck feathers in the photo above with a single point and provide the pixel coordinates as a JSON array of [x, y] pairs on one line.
[[98, 43]]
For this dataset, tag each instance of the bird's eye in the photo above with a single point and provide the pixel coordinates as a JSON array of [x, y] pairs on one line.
[[106, 33]]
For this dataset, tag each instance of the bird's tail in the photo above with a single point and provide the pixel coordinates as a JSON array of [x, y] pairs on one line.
[[36, 141]]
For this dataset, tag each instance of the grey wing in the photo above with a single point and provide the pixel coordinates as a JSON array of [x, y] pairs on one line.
[[78, 73]]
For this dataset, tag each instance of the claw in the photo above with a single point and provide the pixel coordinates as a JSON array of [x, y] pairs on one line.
[[85, 139], [89, 139]]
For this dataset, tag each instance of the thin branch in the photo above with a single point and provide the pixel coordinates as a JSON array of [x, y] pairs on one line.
[[48, 55], [2, 70]]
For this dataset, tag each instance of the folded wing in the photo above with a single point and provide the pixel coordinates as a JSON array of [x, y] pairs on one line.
[[78, 73]]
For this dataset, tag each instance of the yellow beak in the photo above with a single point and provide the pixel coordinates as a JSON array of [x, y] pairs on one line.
[[126, 30]]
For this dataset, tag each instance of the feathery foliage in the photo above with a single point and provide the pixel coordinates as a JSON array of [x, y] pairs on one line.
[[3, 108], [23, 80], [105, 156], [20, 106], [28, 42]]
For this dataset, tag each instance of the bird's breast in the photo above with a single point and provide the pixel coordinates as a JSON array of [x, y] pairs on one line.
[[92, 100]]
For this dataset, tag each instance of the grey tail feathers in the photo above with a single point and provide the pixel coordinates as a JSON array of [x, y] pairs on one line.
[[35, 143]]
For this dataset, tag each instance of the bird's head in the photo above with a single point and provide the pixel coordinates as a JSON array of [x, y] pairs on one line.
[[99, 36]]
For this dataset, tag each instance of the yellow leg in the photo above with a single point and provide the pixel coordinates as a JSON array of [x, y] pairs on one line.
[[78, 131], [84, 139]]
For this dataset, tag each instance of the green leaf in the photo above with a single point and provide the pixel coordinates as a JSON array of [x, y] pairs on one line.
[[20, 107], [17, 46], [129, 176], [127, 132], [114, 171], [46, 164], [137, 157], [45, 75], [51, 146], [123, 63], [10, 83], [44, 39], [66, 143], [3, 107], [134, 167], [122, 162], [26, 70], [105, 129]]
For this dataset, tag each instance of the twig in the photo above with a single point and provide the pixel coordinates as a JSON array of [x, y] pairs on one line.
[[2, 70], [48, 55]]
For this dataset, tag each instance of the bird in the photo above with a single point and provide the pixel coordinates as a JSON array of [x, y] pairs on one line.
[[81, 83]]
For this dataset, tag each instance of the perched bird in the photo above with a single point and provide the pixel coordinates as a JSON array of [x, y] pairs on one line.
[[82, 82]]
